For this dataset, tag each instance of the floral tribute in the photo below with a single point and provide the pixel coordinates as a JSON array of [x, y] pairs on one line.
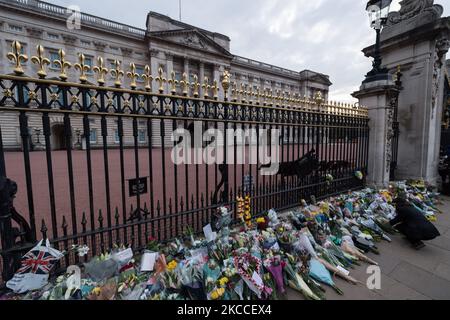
[[308, 250]]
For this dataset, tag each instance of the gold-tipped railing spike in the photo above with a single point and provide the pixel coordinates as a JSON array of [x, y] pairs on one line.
[[277, 98], [206, 87], [318, 98], [148, 78], [195, 86], [243, 92], [82, 67], [250, 94], [62, 64], [215, 90], [17, 57], [100, 70], [133, 76], [269, 97], [258, 95], [185, 84], [117, 73], [161, 80], [173, 82], [226, 77], [41, 61]]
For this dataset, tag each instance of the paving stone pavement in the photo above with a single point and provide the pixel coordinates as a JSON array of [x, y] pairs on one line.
[[406, 274]]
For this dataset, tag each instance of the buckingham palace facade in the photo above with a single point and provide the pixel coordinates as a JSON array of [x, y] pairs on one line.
[[165, 43]]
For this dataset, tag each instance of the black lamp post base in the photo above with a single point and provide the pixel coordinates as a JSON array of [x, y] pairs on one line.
[[381, 75]]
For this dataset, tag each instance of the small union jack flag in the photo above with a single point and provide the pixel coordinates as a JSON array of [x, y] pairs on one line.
[[38, 262]]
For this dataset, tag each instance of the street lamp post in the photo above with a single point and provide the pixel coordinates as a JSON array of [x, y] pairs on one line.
[[378, 11], [78, 134]]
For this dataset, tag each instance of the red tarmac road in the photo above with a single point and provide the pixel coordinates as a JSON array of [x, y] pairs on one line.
[[15, 171]]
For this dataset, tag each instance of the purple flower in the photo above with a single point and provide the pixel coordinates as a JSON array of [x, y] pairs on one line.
[[277, 273]]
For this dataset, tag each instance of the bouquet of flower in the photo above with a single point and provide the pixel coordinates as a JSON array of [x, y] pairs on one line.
[[296, 282], [262, 223], [250, 270], [275, 266]]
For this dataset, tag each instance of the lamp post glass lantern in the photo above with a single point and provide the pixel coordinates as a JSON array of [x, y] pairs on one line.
[[378, 11]]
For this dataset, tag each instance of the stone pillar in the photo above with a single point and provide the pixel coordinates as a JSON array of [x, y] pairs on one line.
[[186, 66], [380, 98], [154, 65], [416, 38], [169, 63], [201, 77]]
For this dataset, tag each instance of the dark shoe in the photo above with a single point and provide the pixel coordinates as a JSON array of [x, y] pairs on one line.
[[418, 245]]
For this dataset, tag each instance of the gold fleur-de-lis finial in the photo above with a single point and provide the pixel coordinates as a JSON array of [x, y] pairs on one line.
[[270, 96], [318, 98], [161, 80], [17, 57], [173, 83], [250, 94], [226, 83], [41, 61], [242, 92], [258, 95], [62, 64], [133, 76], [147, 76], [82, 67], [215, 90], [101, 71], [206, 87], [117, 73], [185, 84], [195, 86]]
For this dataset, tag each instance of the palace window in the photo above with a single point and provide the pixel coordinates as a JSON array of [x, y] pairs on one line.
[[89, 62], [85, 43], [140, 71], [53, 36], [93, 135], [142, 136], [15, 28], [54, 55], [116, 136]]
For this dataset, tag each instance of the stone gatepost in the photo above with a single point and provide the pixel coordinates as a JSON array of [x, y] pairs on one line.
[[379, 98], [416, 38]]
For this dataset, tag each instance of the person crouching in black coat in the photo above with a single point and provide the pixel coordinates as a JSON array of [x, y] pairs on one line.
[[413, 224]]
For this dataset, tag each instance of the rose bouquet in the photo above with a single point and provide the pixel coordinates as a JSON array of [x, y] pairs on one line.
[[249, 268]]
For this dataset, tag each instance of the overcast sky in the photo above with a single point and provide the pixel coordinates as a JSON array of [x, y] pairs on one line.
[[322, 35]]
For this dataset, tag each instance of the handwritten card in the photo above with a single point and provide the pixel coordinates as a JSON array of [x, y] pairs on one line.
[[148, 261], [209, 234]]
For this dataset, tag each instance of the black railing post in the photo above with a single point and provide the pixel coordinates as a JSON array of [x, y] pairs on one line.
[[225, 177], [7, 192]]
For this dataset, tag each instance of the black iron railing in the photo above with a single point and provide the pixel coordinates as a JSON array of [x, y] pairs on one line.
[[95, 166]]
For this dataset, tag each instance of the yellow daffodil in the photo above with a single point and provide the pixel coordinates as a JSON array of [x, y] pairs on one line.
[[260, 220], [223, 282], [218, 293], [172, 265], [97, 291]]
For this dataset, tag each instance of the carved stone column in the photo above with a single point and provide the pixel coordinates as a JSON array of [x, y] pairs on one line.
[[186, 66], [380, 99], [416, 38]]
